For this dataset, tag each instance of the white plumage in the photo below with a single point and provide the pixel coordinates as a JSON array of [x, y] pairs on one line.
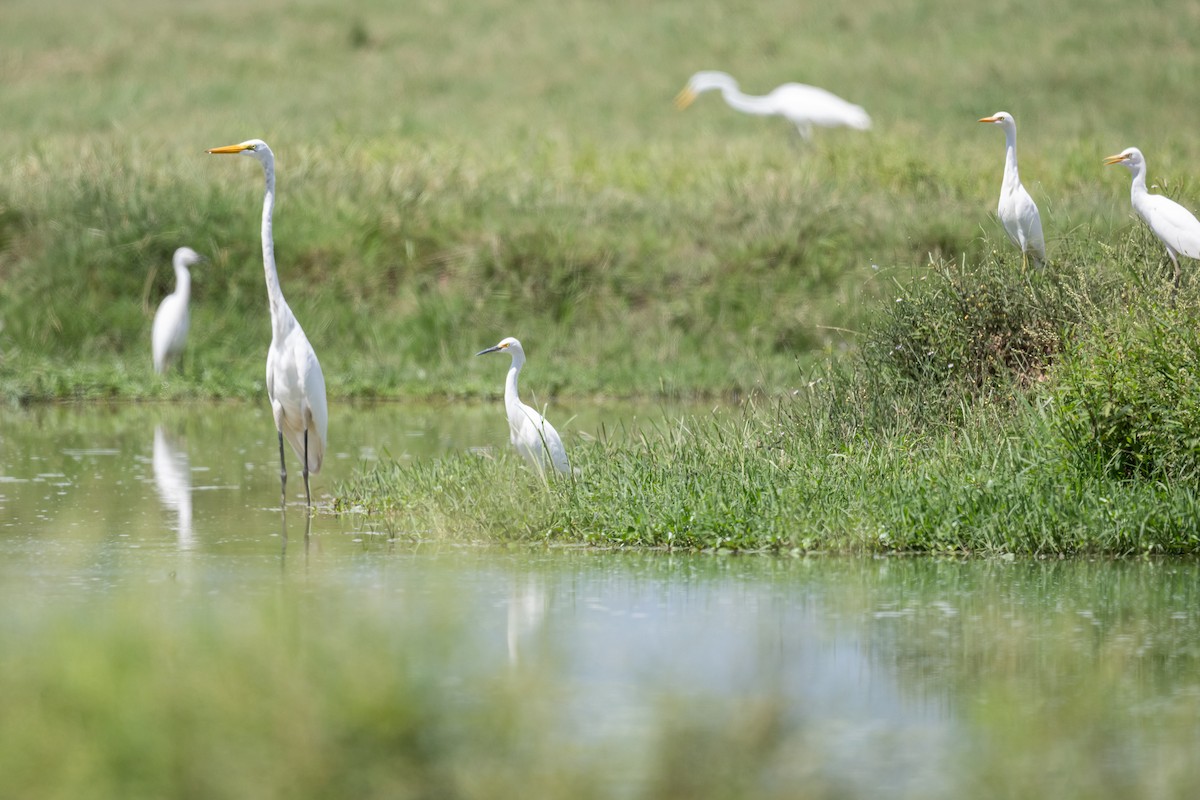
[[1016, 210], [802, 105], [168, 336], [532, 434], [295, 384], [1175, 226]]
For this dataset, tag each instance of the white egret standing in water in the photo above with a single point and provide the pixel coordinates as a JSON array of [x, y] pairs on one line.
[[802, 105], [1017, 211], [1175, 226], [295, 384], [168, 337], [532, 434]]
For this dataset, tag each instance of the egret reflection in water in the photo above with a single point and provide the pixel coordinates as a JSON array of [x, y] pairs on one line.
[[173, 479], [526, 613]]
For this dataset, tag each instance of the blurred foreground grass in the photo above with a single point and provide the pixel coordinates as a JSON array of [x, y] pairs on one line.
[[329, 680]]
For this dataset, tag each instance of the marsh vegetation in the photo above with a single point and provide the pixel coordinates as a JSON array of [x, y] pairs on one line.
[[439, 191], [831, 347]]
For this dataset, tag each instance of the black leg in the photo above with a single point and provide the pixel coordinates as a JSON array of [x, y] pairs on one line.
[[282, 473], [307, 496]]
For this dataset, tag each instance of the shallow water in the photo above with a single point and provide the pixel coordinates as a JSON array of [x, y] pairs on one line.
[[890, 677]]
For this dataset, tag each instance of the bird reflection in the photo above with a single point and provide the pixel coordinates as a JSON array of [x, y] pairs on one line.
[[526, 613], [173, 478], [283, 536]]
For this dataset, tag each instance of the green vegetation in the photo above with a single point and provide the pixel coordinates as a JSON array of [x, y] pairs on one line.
[[446, 180], [964, 424], [453, 173], [517, 168]]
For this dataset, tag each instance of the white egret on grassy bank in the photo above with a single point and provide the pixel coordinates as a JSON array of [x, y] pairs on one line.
[[804, 106], [532, 434], [1017, 211], [1175, 226], [295, 384], [168, 336]]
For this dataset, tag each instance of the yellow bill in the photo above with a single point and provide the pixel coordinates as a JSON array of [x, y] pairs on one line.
[[1117, 159], [684, 98], [229, 148]]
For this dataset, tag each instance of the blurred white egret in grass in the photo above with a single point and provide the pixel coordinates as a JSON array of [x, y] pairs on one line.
[[1175, 226], [1017, 211], [804, 106], [532, 434], [295, 384], [169, 334]]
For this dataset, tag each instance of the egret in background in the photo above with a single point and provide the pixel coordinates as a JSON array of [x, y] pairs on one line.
[[1017, 211], [169, 334], [295, 384], [1174, 225], [533, 436], [803, 106]]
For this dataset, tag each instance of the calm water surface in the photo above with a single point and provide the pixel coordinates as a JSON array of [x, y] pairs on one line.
[[897, 677]]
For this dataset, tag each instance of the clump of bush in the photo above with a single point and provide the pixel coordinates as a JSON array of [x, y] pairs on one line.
[[970, 329], [1128, 394]]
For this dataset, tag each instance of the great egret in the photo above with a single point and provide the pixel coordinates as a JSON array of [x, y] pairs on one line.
[[1174, 225], [1017, 211], [532, 434], [295, 384], [804, 106], [169, 334]]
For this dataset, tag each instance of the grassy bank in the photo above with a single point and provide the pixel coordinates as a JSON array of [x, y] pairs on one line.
[[764, 483], [985, 416]]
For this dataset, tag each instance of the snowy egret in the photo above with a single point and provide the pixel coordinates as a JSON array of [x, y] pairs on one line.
[[1174, 225], [532, 434], [1017, 211], [169, 334], [295, 384], [804, 106]]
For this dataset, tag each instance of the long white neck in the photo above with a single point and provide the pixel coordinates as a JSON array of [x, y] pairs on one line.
[[1138, 189], [183, 282], [280, 313], [512, 400], [746, 103], [1011, 178]]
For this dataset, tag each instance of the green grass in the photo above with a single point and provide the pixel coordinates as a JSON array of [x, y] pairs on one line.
[[779, 479], [991, 410], [517, 168], [451, 174]]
